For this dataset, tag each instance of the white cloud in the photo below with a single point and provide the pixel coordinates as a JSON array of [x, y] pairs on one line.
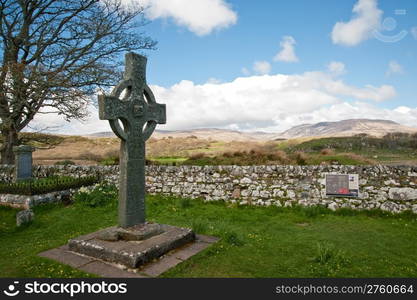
[[287, 53], [336, 68], [414, 32], [269, 102], [328, 84], [357, 110], [394, 68], [367, 17], [199, 16], [262, 67], [245, 71], [213, 80]]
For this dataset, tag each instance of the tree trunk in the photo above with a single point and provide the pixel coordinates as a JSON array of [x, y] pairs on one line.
[[10, 140]]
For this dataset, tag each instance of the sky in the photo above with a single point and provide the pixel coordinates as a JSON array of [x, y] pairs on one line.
[[268, 65]]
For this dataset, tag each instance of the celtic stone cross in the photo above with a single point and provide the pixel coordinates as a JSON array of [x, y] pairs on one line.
[[132, 118]]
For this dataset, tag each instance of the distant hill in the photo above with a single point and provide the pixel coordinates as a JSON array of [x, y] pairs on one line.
[[349, 127], [205, 133]]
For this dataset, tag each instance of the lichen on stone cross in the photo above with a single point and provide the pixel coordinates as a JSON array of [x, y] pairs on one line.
[[132, 118]]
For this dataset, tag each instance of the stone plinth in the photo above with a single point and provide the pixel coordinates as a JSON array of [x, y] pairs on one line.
[[111, 270], [127, 252]]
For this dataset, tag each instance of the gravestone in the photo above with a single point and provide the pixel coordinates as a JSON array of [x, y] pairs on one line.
[[342, 185], [24, 217], [133, 114], [23, 162]]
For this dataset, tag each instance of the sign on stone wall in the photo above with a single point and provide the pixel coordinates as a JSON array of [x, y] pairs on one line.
[[342, 185]]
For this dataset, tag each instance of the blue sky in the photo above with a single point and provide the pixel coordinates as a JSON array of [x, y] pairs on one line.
[[272, 64]]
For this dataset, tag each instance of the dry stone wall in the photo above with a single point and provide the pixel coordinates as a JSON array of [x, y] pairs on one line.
[[390, 188]]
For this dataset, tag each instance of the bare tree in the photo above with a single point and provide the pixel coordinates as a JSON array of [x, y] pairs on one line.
[[56, 53]]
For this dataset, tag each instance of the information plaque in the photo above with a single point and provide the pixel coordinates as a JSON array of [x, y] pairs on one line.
[[342, 185]]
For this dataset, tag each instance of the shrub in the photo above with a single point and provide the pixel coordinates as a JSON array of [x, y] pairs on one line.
[[279, 155], [227, 154], [199, 226], [109, 161], [110, 158], [149, 162], [237, 154], [326, 151], [300, 158], [46, 185], [65, 162], [102, 194], [328, 260], [327, 253], [198, 155]]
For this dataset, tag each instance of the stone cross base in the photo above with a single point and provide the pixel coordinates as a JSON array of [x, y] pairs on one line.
[[154, 268], [131, 247]]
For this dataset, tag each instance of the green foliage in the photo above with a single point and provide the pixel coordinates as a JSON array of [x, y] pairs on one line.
[[300, 158], [111, 158], [339, 159], [46, 185], [184, 203], [110, 161], [314, 211], [329, 260], [326, 252], [169, 160], [233, 238], [391, 141], [64, 162], [199, 226], [252, 157], [100, 195]]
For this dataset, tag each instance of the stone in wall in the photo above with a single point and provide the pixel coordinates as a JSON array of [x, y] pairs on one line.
[[404, 193], [391, 188]]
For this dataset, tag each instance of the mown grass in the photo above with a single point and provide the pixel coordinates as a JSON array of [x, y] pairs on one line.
[[255, 241]]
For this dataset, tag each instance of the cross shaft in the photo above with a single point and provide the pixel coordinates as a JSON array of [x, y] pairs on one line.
[[139, 113]]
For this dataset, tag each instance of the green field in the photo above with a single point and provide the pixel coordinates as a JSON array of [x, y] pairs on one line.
[[255, 241], [395, 148]]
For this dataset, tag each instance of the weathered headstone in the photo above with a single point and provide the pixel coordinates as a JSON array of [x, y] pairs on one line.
[[24, 217], [139, 113], [133, 114], [23, 162], [342, 185]]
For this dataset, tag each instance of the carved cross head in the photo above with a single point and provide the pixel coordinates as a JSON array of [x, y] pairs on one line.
[[137, 110]]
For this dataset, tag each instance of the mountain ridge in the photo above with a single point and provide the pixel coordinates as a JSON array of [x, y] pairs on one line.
[[348, 127]]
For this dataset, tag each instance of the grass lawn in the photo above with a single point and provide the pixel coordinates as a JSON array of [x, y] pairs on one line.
[[255, 241]]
